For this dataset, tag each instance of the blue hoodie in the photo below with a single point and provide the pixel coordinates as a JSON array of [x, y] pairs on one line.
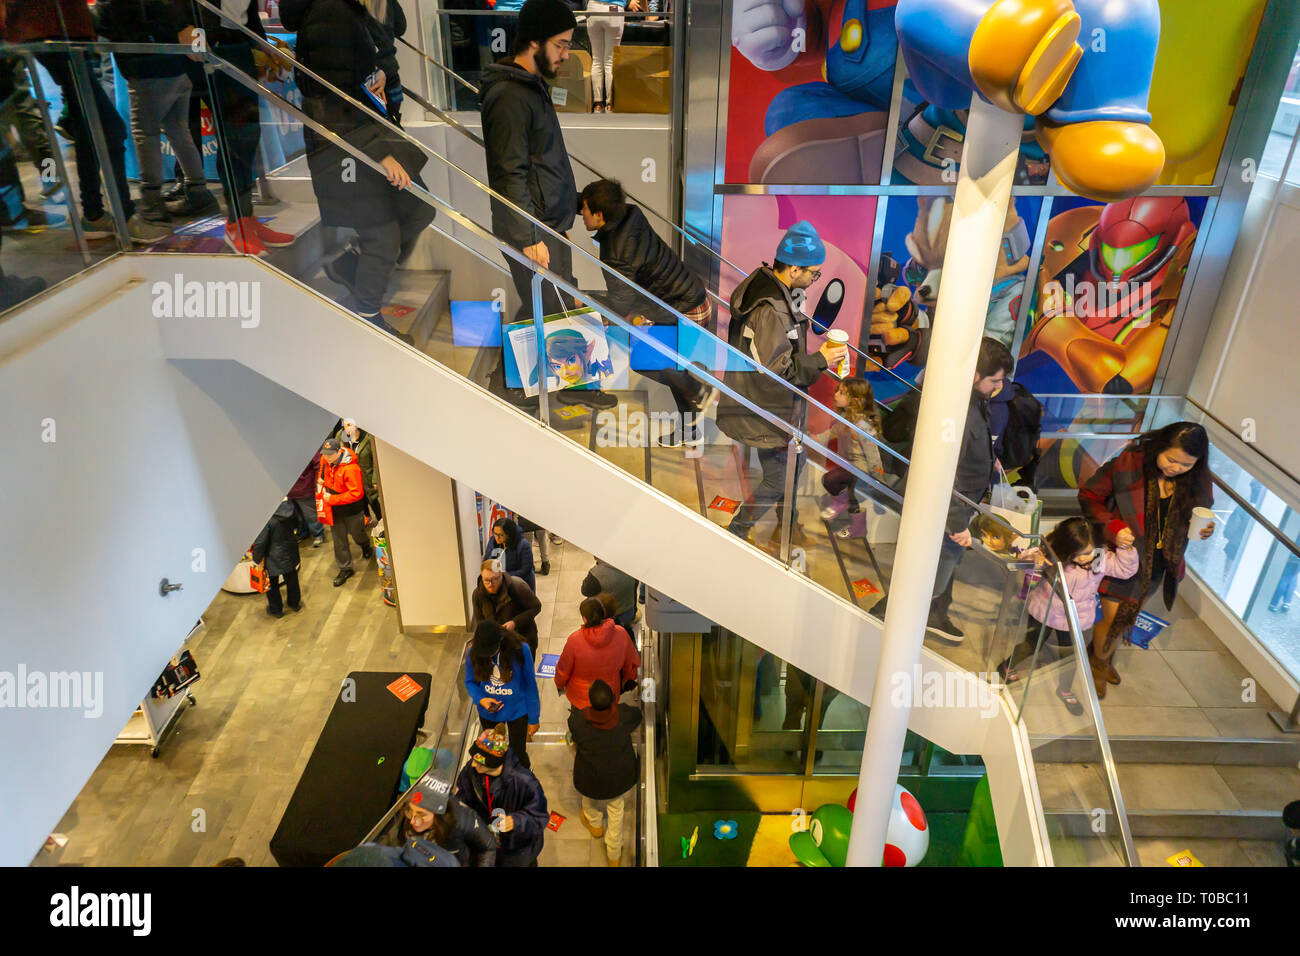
[[519, 695]]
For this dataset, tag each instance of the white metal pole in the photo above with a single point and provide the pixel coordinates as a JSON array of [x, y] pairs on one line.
[[979, 213]]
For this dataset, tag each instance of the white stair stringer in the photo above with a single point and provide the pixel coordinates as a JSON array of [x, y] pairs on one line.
[[308, 346]]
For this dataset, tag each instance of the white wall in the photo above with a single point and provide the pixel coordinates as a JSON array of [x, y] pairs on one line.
[[1260, 378], [421, 522], [151, 460]]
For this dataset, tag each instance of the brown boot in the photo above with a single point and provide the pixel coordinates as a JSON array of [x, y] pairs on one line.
[[1112, 675], [797, 537], [1098, 668], [596, 832]]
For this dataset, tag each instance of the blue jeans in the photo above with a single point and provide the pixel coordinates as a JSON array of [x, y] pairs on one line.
[[307, 510], [770, 491], [1286, 583], [950, 555]]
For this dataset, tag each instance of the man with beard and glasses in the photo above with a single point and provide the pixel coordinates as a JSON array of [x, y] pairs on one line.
[[528, 164]]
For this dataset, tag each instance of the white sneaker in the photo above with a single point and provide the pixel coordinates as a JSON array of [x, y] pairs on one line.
[[830, 513]]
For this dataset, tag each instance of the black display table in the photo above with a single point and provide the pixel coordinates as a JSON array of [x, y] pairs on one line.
[[351, 779]]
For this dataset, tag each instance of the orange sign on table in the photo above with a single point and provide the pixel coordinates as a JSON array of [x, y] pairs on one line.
[[729, 505], [863, 587], [405, 687]]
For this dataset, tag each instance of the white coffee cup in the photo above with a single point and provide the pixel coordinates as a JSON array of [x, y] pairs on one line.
[[839, 337], [1202, 518]]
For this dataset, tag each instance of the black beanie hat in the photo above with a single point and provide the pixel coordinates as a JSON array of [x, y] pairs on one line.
[[487, 639], [542, 19]]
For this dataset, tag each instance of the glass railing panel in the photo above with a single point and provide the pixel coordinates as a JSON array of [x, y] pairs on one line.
[[1074, 768], [636, 45], [58, 101]]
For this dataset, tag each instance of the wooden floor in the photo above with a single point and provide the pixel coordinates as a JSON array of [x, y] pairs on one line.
[[225, 775], [267, 686]]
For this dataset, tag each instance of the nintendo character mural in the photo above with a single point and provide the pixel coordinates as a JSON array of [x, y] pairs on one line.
[[911, 267], [1106, 291], [1107, 288], [752, 226], [930, 140], [810, 88]]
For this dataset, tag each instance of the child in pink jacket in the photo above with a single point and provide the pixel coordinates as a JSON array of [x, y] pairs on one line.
[[1087, 560]]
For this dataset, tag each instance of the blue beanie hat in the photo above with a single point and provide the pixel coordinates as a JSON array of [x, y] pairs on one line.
[[801, 246]]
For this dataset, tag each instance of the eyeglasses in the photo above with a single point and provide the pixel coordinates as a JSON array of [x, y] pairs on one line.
[[814, 273], [562, 45]]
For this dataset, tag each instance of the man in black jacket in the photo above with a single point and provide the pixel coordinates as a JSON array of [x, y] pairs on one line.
[[508, 601], [975, 470], [528, 164], [335, 42], [159, 92], [768, 329], [631, 248]]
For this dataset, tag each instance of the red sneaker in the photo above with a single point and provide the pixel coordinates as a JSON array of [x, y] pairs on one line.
[[270, 237], [243, 239]]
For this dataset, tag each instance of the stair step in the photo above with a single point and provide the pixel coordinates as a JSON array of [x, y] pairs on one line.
[[1163, 799], [1156, 851], [1255, 751], [416, 301]]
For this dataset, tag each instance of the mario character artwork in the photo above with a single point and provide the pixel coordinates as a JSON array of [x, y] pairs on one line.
[[1107, 288], [1089, 103], [821, 74], [928, 149]]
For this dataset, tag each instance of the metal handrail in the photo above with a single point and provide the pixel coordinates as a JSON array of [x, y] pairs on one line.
[[1107, 757], [1281, 536], [648, 802], [697, 243], [371, 116]]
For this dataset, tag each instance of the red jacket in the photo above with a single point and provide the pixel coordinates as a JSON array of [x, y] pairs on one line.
[[604, 652], [23, 20], [342, 486]]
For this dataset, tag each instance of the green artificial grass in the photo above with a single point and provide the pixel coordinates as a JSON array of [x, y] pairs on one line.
[[709, 851]]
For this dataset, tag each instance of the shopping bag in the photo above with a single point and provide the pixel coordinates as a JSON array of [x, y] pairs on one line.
[[257, 578], [1017, 505], [324, 513]]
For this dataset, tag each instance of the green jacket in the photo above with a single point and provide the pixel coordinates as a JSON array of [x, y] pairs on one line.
[[364, 449]]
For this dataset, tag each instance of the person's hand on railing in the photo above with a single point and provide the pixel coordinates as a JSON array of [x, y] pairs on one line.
[[962, 538], [396, 174], [539, 254], [188, 36]]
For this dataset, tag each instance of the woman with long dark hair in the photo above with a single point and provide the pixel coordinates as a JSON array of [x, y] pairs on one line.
[[1144, 497], [500, 680]]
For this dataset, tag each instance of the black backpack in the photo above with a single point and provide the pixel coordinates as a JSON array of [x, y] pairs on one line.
[[1024, 426]]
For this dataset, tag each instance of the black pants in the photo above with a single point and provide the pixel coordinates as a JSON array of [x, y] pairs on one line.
[[238, 123], [59, 66], [379, 248], [1057, 646], [517, 730], [292, 594], [837, 480], [686, 389]]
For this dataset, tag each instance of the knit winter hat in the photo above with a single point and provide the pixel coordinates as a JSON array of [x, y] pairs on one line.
[[801, 246], [542, 19], [489, 751]]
